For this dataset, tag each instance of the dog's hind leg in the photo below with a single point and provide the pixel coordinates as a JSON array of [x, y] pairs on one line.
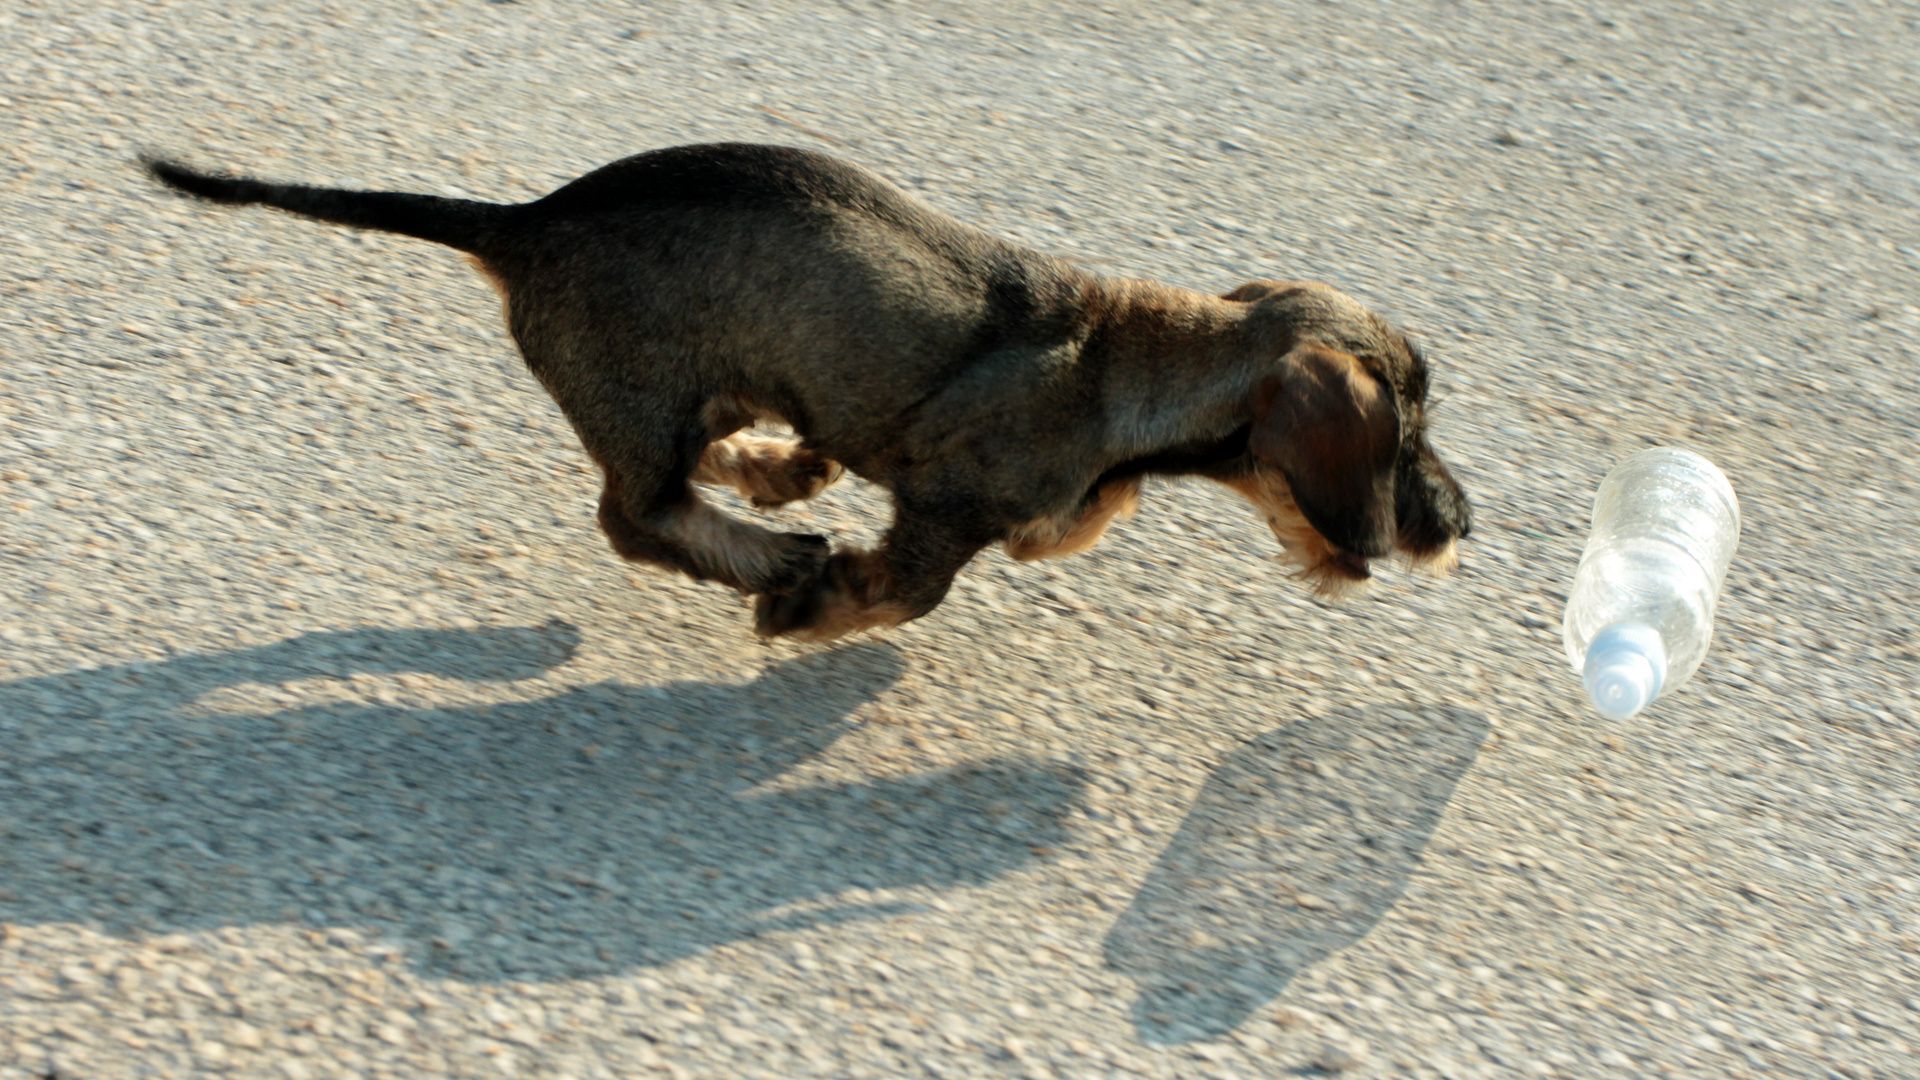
[[904, 579], [647, 451], [768, 470], [690, 535]]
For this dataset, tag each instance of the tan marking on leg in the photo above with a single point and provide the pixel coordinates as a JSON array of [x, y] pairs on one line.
[[1062, 535], [768, 470], [1330, 571], [1440, 562], [846, 615], [854, 593]]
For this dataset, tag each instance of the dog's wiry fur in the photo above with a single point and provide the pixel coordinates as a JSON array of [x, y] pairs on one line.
[[671, 300]]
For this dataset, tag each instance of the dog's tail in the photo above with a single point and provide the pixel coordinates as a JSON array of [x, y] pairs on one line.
[[457, 223]]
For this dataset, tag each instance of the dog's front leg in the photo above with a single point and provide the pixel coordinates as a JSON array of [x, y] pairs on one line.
[[904, 579], [1058, 535]]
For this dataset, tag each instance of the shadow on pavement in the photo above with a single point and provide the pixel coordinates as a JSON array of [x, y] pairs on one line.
[[1297, 845], [606, 827]]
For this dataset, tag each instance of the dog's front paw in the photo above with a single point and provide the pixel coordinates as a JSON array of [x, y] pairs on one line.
[[847, 595], [779, 614], [803, 556]]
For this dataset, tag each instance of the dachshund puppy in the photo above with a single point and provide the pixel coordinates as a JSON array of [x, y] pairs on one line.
[[671, 300]]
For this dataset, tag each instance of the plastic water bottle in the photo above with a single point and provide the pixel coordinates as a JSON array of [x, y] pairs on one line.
[[1640, 615]]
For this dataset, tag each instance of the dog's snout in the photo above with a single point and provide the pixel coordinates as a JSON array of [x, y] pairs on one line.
[[1430, 508]]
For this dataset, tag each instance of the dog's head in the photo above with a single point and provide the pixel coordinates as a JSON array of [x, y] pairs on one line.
[[1340, 462]]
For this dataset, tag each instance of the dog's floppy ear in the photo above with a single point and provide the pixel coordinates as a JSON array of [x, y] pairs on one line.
[[1331, 428]]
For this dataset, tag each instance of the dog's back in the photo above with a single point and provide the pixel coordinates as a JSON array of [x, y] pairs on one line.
[[805, 287], [819, 291]]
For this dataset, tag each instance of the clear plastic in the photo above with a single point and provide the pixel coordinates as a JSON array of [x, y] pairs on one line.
[[1640, 615]]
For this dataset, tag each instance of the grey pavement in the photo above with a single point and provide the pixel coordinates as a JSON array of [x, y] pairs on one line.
[[335, 743]]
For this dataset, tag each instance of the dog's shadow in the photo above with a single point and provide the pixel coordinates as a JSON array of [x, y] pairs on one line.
[[569, 835], [1297, 845]]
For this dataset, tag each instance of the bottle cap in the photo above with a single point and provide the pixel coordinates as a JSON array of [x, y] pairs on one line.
[[1624, 669]]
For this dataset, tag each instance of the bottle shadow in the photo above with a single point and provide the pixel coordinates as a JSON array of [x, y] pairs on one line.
[[1295, 848], [575, 834]]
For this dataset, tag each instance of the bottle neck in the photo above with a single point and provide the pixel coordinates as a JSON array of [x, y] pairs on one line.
[[1625, 669]]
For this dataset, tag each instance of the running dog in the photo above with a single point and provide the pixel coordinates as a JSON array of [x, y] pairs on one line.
[[671, 300]]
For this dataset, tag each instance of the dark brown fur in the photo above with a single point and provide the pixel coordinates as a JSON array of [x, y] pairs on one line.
[[670, 300]]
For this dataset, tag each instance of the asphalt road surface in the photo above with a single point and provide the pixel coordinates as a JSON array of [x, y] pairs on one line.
[[335, 742]]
